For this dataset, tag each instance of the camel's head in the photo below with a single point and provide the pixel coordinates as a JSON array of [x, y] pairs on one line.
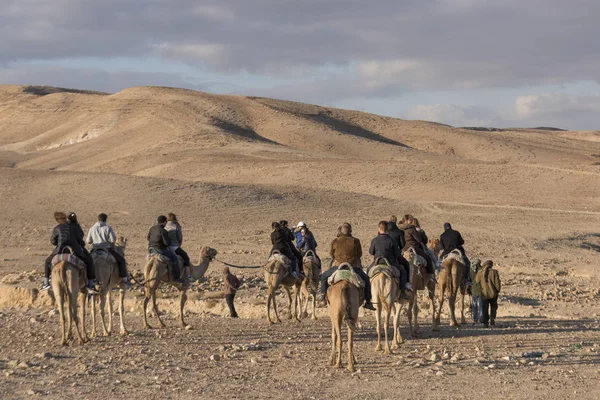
[[208, 252], [121, 242], [434, 244]]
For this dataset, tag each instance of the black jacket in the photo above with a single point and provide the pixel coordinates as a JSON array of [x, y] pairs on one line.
[[64, 235], [384, 246], [451, 240], [280, 239], [78, 233], [158, 238], [396, 233]]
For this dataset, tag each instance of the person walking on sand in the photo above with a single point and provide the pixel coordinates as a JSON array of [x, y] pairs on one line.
[[232, 284], [475, 289], [489, 279]]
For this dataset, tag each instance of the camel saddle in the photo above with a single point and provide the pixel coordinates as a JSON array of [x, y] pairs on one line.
[[346, 273], [312, 257], [287, 264], [70, 258], [104, 254], [383, 266], [455, 255]]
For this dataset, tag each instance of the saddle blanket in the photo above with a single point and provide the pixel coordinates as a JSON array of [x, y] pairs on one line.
[[383, 269], [70, 258], [346, 275], [105, 255]]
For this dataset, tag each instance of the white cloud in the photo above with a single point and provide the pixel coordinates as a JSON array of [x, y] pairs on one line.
[[452, 114]]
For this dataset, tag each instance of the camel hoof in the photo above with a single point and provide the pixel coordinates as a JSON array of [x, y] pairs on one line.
[[395, 346], [336, 365], [124, 332], [63, 343], [313, 318], [378, 348], [351, 369], [387, 351], [278, 320]]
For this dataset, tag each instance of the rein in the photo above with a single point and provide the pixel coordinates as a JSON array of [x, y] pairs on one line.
[[238, 266]]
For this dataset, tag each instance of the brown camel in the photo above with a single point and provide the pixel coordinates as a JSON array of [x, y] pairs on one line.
[[69, 282], [451, 279], [156, 272], [434, 247], [277, 273], [344, 301], [310, 285], [386, 292], [419, 279], [107, 273]]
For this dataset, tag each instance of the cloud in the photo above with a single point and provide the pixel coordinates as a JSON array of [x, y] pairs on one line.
[[452, 114]]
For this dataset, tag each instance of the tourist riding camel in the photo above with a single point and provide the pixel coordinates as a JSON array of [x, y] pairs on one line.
[[291, 237], [347, 249], [452, 240], [413, 239], [396, 233], [66, 234], [84, 253], [384, 246], [176, 236], [424, 238], [159, 242], [280, 239], [298, 232], [102, 236], [308, 242]]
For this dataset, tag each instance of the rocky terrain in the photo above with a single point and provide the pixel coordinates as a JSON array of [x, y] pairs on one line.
[[229, 165]]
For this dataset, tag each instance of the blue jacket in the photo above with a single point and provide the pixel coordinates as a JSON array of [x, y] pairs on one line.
[[308, 243], [298, 236]]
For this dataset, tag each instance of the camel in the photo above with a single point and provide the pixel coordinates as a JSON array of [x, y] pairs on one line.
[[277, 273], [107, 274], [386, 292], [310, 285], [156, 272], [434, 249], [69, 282], [344, 301], [419, 279], [451, 279]]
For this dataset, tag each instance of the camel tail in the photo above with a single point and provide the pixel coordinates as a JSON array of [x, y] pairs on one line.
[[449, 280], [350, 322]]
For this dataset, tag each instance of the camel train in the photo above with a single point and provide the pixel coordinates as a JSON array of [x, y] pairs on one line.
[[344, 295]]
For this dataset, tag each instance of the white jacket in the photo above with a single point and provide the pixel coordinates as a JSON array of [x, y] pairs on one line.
[[101, 236]]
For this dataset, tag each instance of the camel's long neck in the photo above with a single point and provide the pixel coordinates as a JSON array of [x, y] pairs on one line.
[[198, 271]]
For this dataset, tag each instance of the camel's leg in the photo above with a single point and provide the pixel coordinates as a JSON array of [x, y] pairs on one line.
[[397, 339], [110, 309], [274, 300], [103, 318], [94, 304], [333, 344], [297, 304], [409, 314], [338, 332], [289, 295], [434, 322], [416, 312], [452, 304], [69, 317], [82, 304], [378, 326], [74, 312], [304, 296], [155, 307], [122, 329], [386, 328], [146, 301], [182, 300], [350, 348], [314, 304], [269, 306], [60, 301], [462, 306], [441, 294]]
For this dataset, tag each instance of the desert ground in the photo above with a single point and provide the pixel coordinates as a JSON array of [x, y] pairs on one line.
[[528, 199]]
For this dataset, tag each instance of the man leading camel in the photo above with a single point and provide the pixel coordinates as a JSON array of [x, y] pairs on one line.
[[158, 240], [347, 249], [102, 236], [383, 246]]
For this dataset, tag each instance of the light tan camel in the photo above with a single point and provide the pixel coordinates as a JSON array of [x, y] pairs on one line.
[[310, 285], [435, 248], [68, 283], [344, 301], [386, 293], [419, 279], [451, 279], [156, 272], [107, 273], [277, 273]]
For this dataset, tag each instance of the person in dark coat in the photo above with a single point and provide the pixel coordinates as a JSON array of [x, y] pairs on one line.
[[308, 242], [291, 238], [159, 241], [412, 238], [452, 240], [280, 239], [173, 228], [384, 246], [396, 233], [232, 284]]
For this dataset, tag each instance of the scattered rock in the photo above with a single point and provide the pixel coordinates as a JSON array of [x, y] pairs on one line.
[[435, 357], [215, 357]]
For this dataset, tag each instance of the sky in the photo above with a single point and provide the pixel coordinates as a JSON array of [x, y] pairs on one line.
[[501, 63]]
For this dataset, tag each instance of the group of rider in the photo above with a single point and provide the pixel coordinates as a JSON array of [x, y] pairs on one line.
[[164, 238], [391, 242]]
